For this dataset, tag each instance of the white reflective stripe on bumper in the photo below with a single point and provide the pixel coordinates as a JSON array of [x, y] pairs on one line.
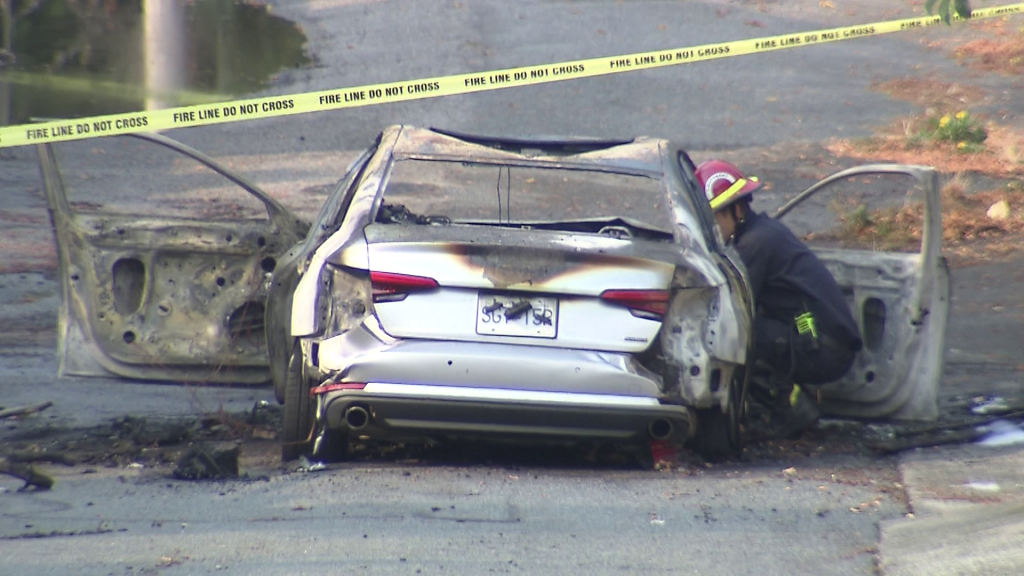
[[505, 394]]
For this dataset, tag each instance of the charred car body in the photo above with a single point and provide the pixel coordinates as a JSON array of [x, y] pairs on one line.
[[461, 285]]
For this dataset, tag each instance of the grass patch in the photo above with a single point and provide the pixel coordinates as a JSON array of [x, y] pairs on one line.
[[951, 132]]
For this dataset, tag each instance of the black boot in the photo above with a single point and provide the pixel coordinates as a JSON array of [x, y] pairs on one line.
[[794, 415], [790, 409]]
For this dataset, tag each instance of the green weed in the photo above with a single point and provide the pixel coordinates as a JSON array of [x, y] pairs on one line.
[[961, 128]]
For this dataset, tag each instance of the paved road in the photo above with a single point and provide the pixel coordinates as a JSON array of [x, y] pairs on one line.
[[517, 513], [811, 93], [516, 518]]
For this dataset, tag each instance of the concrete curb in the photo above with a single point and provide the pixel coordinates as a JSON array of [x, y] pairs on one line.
[[967, 506]]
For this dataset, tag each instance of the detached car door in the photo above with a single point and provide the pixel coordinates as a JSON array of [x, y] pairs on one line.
[[164, 260], [901, 304]]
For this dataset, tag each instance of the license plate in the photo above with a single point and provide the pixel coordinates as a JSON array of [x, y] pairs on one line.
[[528, 316]]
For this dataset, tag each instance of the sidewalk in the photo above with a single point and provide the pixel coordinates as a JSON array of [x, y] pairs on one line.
[[967, 504]]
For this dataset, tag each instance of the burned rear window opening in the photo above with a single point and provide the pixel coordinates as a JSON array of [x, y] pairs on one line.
[[433, 192]]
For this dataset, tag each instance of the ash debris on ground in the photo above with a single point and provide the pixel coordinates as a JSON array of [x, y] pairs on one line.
[[206, 447], [132, 440], [208, 462]]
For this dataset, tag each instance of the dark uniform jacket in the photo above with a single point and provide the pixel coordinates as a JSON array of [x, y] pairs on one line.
[[785, 276]]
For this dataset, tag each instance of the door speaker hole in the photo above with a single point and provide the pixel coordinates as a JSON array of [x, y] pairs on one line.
[[874, 324], [129, 281]]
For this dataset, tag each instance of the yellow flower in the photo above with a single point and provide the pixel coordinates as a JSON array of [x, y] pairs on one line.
[[961, 145], [944, 121], [961, 115]]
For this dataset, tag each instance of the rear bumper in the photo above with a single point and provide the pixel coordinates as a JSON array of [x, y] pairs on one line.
[[459, 410], [361, 356]]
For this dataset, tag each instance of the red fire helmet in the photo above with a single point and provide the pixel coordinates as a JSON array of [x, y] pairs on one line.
[[724, 184]]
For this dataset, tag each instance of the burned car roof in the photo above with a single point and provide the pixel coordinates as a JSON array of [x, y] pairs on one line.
[[640, 156]]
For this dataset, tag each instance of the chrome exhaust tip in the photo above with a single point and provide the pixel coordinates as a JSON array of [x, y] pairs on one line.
[[357, 417], [660, 429]]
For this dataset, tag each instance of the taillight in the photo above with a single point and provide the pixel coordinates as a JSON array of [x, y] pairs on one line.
[[391, 287], [650, 304], [317, 390]]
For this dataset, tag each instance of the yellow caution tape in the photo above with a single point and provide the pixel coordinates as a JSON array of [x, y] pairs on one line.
[[369, 95]]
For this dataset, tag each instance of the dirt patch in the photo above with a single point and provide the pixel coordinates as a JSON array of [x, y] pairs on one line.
[[1002, 50], [881, 475], [1002, 154], [992, 45], [27, 249], [22, 265], [1006, 56], [997, 153], [930, 93], [968, 230], [34, 337], [1009, 145], [23, 217], [913, 139]]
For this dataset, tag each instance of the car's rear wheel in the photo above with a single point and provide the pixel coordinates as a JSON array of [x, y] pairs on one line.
[[298, 409], [718, 433]]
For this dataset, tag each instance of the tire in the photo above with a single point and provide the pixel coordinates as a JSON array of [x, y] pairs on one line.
[[713, 435], [719, 436], [298, 409]]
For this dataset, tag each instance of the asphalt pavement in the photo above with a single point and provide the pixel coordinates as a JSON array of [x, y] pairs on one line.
[[434, 518], [812, 508]]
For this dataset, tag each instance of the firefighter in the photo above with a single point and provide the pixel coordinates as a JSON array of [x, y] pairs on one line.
[[804, 333]]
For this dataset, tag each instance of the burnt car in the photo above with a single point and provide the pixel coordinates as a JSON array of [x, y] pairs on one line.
[[455, 285]]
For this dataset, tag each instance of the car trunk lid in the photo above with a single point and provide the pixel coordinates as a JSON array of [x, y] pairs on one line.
[[531, 287]]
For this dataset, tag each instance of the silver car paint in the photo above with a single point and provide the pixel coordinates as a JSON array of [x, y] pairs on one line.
[[358, 357], [708, 326], [306, 305], [706, 335]]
